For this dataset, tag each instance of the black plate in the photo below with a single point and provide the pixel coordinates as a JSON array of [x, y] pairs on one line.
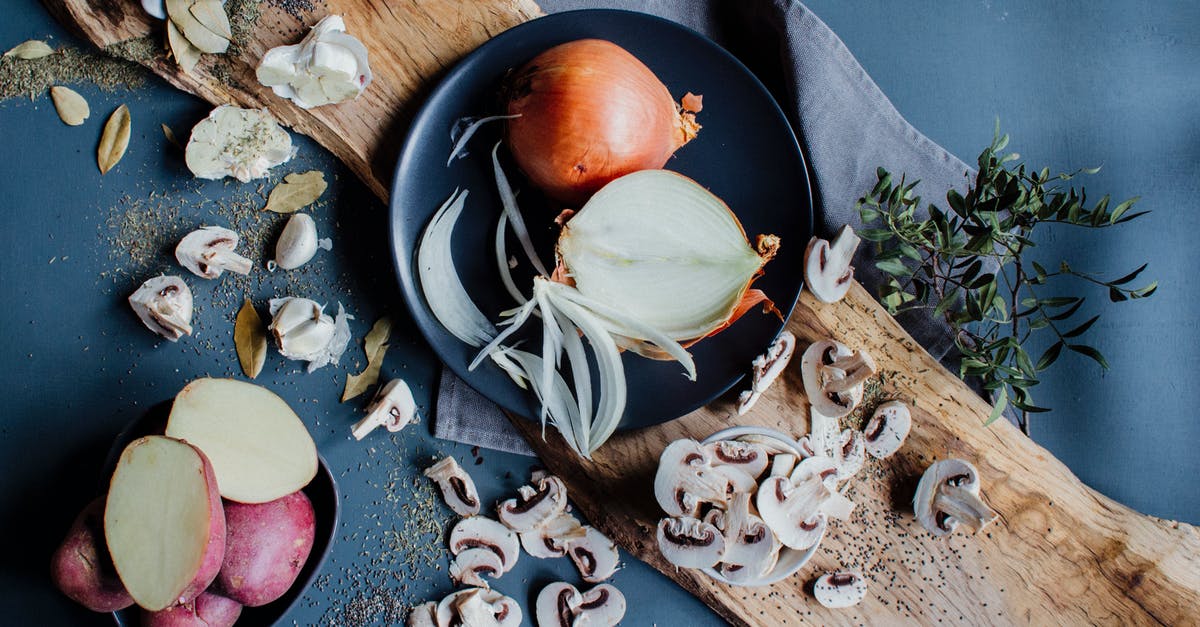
[[746, 154], [322, 491]]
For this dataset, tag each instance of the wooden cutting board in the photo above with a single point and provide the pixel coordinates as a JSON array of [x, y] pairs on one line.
[[1060, 553]]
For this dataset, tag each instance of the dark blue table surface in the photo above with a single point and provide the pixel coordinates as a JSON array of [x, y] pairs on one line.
[[1077, 84]]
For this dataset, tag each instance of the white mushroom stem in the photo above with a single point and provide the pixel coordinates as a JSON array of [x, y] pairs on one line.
[[393, 407], [849, 372], [767, 367], [827, 269], [964, 506]]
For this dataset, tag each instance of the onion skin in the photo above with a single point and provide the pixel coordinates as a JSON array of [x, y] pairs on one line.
[[592, 112]]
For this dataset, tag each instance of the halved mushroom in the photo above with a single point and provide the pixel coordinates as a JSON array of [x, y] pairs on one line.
[[748, 540], [208, 252], [948, 494], [745, 456], [782, 465], [833, 377], [688, 542], [479, 607], [456, 485], [557, 605], [825, 469], [474, 532], [841, 589], [164, 305], [534, 507], [791, 510], [594, 555], [767, 367], [550, 540], [561, 605], [472, 565], [423, 615], [603, 606], [685, 480], [849, 454], [888, 428], [827, 269], [393, 407]]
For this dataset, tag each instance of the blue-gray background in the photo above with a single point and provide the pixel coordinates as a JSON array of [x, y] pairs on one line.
[[1076, 83]]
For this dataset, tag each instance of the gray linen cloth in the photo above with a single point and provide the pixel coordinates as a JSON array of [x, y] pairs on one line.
[[846, 124]]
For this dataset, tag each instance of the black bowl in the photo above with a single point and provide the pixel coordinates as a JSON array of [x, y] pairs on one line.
[[322, 491]]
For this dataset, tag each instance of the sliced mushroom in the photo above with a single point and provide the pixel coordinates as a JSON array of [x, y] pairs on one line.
[[748, 540], [534, 507], [472, 565], [771, 445], [479, 607], [557, 605], [822, 432], [688, 542], [841, 589], [743, 574], [685, 480], [745, 456], [423, 615], [456, 485], [561, 605], [393, 407], [164, 305], [820, 466], [791, 510], [782, 465], [208, 252], [550, 540], [767, 368], [888, 428], [594, 555], [603, 606], [827, 269], [849, 454], [833, 377], [948, 494], [476, 532]]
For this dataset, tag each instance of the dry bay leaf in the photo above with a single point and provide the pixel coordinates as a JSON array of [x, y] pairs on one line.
[[186, 55], [114, 140], [29, 50], [250, 339], [170, 135], [375, 345], [211, 15], [71, 107], [180, 13], [296, 192]]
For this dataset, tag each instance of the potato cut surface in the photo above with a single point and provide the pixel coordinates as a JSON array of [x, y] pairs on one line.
[[258, 446], [158, 518]]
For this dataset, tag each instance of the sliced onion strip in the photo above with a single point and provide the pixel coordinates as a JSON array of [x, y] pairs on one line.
[[509, 200], [460, 144], [440, 283]]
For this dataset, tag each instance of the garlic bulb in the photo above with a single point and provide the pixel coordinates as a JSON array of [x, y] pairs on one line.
[[328, 66], [298, 242], [164, 305], [304, 332], [242, 143]]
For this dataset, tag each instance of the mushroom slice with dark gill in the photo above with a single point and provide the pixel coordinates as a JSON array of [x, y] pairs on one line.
[[849, 454], [594, 555], [833, 377], [766, 368], [688, 542], [164, 305], [550, 540], [208, 252], [562, 605], [791, 510], [475, 532], [841, 589], [423, 615], [456, 485], [472, 565], [827, 270], [947, 495], [393, 408], [749, 543], [534, 507], [478, 607], [887, 429], [685, 479], [745, 456]]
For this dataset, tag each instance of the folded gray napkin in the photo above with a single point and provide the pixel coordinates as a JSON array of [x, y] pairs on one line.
[[847, 125]]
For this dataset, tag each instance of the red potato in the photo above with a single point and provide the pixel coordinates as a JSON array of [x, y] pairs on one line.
[[163, 522], [82, 568], [208, 610], [265, 547]]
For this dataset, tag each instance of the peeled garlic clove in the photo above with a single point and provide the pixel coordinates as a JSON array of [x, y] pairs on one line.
[[208, 252], [242, 143], [328, 66], [164, 304], [298, 242], [304, 332]]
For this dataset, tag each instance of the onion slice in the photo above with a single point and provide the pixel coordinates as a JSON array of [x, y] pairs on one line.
[[460, 144], [509, 200], [443, 290]]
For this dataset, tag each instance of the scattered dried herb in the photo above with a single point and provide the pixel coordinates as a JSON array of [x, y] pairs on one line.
[[71, 107], [32, 49], [375, 345], [250, 339], [31, 78], [170, 135], [114, 140], [296, 192]]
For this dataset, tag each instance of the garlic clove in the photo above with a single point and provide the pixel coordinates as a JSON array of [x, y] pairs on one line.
[[242, 143], [298, 243], [278, 66], [328, 66], [304, 332], [164, 305]]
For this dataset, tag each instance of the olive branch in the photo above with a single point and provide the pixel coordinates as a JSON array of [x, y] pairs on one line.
[[970, 268]]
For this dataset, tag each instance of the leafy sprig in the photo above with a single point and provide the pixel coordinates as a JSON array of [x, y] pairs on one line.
[[969, 266]]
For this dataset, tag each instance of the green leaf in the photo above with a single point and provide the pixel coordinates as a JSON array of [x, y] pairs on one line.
[[1063, 315], [1129, 277], [1058, 301], [1081, 329], [1145, 291], [947, 302], [1121, 209], [1090, 352], [875, 235], [998, 409], [894, 267], [1115, 295]]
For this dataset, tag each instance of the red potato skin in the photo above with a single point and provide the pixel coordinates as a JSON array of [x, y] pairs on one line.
[[81, 567], [207, 610], [266, 546], [214, 552]]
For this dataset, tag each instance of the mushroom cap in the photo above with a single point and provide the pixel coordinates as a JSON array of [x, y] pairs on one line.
[[482, 532], [849, 454], [458, 489], [950, 483], [688, 542], [164, 305], [549, 540], [242, 143], [594, 555], [748, 457], [827, 270], [479, 606], [423, 615], [789, 509], [812, 364], [840, 589], [557, 605], [602, 606], [472, 565], [534, 507], [684, 479], [195, 251], [886, 431]]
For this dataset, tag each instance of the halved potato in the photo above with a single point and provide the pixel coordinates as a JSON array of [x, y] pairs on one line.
[[257, 444], [163, 522]]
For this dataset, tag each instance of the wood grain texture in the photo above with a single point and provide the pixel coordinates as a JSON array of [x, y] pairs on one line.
[[1060, 553]]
